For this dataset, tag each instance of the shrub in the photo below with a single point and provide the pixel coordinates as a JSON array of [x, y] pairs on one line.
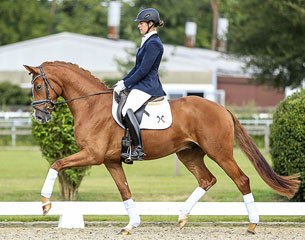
[[287, 139], [11, 94], [56, 141]]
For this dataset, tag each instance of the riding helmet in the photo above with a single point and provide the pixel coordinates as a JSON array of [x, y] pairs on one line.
[[147, 15]]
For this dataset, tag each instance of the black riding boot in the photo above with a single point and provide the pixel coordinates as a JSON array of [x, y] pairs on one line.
[[135, 133]]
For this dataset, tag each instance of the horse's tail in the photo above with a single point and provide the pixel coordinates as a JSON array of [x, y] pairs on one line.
[[284, 185]]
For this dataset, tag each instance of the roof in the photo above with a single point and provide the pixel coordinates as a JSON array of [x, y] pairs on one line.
[[99, 54]]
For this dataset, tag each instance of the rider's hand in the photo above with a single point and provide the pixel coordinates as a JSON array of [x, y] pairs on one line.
[[120, 86]]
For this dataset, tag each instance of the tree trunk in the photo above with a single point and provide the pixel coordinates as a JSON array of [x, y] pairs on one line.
[[67, 190], [215, 7]]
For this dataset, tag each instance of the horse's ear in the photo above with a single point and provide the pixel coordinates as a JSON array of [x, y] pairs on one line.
[[31, 69]]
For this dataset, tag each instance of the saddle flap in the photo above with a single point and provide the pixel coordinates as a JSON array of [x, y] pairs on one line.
[[154, 114]]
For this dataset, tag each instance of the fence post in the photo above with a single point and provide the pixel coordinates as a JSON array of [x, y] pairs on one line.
[[13, 135], [266, 140], [176, 166]]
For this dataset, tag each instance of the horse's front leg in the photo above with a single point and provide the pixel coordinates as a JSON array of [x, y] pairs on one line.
[[82, 158], [118, 175]]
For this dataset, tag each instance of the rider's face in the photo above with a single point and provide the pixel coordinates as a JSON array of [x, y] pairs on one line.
[[143, 27]]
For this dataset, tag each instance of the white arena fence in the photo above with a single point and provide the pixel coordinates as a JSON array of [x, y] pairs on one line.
[[21, 124], [72, 213]]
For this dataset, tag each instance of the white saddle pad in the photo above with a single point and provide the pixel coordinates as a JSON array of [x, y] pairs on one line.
[[159, 115]]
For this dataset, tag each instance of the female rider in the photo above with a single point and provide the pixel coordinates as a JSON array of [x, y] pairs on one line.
[[142, 81]]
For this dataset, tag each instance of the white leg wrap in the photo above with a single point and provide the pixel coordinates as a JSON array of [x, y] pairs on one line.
[[190, 202], [48, 185], [251, 208], [134, 217]]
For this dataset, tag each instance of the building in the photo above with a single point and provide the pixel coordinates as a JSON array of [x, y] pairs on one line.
[[185, 71]]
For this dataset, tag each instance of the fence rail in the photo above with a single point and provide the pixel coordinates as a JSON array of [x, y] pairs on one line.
[[71, 213], [21, 125], [15, 127]]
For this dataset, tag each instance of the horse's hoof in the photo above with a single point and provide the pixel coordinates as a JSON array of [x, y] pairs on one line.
[[46, 207], [251, 228], [182, 222], [125, 231]]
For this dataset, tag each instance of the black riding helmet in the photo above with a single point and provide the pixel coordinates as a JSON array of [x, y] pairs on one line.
[[147, 15]]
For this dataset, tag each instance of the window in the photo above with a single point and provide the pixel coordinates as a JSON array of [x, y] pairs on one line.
[[199, 94]]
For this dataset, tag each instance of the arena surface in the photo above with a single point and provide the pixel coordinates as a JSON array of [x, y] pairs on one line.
[[153, 231]]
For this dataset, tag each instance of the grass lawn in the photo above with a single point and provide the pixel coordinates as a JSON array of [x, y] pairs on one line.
[[23, 170]]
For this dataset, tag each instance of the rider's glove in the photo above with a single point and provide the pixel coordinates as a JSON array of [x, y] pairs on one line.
[[119, 86]]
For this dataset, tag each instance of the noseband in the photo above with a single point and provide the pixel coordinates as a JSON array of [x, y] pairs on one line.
[[48, 100]]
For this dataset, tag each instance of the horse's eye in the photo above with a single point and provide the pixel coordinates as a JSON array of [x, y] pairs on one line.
[[38, 87]]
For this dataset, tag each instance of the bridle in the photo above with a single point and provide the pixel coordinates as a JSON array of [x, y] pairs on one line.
[[48, 100]]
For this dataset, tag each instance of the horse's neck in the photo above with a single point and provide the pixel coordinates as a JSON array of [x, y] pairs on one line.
[[80, 88], [74, 87]]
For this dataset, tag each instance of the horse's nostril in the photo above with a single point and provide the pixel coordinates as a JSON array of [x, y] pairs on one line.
[[39, 118]]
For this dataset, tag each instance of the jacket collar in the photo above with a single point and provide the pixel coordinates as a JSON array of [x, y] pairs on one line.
[[147, 36]]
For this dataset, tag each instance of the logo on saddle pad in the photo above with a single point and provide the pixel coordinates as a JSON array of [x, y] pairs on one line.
[[155, 114]]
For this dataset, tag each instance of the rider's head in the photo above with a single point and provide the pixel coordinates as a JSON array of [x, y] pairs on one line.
[[151, 18]]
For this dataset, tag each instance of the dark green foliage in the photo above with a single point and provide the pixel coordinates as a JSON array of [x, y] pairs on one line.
[[287, 139], [21, 20], [175, 14], [81, 16], [56, 141], [11, 94], [271, 34]]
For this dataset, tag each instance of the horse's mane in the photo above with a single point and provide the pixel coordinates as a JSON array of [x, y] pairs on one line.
[[87, 74]]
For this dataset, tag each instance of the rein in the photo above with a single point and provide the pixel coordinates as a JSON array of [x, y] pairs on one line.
[[50, 103], [78, 98]]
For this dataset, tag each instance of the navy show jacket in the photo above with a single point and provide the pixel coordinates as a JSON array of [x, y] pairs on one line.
[[144, 76]]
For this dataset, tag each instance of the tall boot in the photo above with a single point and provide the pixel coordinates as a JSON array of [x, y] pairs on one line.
[[135, 133]]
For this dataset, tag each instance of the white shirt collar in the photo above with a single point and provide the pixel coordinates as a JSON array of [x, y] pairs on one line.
[[146, 36]]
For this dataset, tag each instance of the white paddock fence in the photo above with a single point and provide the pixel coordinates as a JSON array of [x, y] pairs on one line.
[[71, 213]]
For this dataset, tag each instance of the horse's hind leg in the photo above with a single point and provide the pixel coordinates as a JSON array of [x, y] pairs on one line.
[[118, 175], [193, 160], [229, 165]]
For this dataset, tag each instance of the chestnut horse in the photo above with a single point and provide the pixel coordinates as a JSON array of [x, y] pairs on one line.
[[200, 127]]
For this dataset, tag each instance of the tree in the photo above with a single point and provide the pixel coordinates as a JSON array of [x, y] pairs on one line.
[[21, 20], [82, 16], [270, 35], [56, 141], [11, 94], [175, 14]]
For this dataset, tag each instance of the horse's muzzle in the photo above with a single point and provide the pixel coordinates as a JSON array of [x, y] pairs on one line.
[[42, 117]]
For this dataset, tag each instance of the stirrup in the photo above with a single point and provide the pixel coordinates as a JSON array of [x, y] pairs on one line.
[[137, 153], [126, 158], [134, 155]]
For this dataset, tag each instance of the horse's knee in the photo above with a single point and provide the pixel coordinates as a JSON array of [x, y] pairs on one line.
[[206, 184], [57, 165]]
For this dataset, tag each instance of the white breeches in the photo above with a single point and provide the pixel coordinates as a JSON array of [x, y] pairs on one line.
[[135, 100]]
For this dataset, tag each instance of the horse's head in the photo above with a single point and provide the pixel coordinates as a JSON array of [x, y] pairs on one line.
[[45, 92]]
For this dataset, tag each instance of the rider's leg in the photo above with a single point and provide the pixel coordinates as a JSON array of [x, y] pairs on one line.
[[135, 133], [135, 100]]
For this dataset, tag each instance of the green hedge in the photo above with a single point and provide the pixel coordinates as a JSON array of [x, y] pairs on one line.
[[287, 139]]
